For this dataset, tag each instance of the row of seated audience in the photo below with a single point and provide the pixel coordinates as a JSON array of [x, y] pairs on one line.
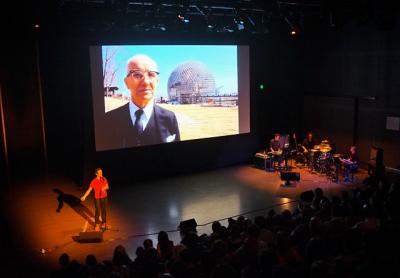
[[352, 235]]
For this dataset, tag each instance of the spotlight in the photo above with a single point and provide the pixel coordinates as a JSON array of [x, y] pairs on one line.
[[294, 31], [36, 26], [240, 24], [183, 18]]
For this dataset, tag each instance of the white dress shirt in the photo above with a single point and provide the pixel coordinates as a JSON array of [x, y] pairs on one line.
[[147, 111]]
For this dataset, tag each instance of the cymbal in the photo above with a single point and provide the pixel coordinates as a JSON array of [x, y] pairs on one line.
[[314, 150], [336, 155], [316, 147], [325, 149]]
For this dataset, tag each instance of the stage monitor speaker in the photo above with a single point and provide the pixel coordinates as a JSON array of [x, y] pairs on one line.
[[290, 176], [188, 225], [307, 196], [89, 237]]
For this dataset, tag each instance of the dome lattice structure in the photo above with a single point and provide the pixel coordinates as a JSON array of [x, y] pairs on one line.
[[189, 82]]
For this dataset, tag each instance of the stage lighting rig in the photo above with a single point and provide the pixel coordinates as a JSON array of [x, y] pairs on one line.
[[183, 19], [239, 23]]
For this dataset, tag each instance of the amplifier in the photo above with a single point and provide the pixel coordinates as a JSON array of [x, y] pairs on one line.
[[262, 161]]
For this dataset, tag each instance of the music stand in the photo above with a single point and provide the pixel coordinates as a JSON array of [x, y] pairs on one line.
[[285, 142]]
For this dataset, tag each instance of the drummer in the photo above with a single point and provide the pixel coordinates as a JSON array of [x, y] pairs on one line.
[[308, 143]]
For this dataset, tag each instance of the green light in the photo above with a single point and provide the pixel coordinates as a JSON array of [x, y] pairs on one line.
[[261, 87]]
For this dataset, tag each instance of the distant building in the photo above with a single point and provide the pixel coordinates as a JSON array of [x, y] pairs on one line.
[[189, 82], [110, 91]]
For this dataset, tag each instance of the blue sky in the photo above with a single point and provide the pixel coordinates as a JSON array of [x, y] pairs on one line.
[[221, 60]]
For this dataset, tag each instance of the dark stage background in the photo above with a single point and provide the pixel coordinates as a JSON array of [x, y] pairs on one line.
[[351, 78], [339, 78], [339, 84]]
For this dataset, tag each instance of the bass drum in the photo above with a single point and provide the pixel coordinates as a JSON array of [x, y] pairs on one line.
[[313, 156], [300, 158], [324, 163]]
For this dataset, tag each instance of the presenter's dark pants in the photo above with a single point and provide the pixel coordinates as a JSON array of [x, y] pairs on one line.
[[100, 208]]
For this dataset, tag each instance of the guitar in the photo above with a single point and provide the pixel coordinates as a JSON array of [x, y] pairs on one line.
[[295, 141], [278, 152]]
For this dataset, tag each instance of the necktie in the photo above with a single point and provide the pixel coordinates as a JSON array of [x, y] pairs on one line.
[[138, 122]]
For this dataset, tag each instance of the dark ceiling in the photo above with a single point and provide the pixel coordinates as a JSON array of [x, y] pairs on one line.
[[248, 16]]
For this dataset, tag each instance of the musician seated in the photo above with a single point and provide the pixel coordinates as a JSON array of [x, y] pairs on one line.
[[276, 149], [308, 143], [350, 164], [306, 146]]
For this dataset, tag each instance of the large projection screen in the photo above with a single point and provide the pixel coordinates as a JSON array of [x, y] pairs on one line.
[[183, 92]]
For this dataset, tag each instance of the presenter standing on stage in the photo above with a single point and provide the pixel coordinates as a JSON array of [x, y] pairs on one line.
[[100, 186]]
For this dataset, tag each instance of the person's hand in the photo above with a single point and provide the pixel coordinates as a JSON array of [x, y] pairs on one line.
[[83, 198]]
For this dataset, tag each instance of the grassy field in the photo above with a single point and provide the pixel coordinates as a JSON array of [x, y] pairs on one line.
[[113, 103], [196, 121]]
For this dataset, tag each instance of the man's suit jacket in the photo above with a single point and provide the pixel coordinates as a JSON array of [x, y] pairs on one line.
[[120, 132]]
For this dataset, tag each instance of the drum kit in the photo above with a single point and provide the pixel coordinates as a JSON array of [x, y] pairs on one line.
[[321, 160]]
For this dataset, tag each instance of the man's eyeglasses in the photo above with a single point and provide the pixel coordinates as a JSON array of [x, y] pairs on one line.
[[139, 75]]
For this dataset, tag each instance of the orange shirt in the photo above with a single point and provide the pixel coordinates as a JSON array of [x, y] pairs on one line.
[[97, 185]]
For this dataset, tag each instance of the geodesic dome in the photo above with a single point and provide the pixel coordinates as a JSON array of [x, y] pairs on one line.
[[190, 81]]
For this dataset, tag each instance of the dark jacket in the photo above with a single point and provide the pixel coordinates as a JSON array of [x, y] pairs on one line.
[[120, 133]]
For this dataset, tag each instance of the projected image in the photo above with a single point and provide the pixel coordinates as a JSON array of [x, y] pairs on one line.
[[156, 94]]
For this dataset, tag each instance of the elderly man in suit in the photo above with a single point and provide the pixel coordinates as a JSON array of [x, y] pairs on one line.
[[141, 121]]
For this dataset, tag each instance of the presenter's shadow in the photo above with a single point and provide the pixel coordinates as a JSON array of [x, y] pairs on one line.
[[75, 203]]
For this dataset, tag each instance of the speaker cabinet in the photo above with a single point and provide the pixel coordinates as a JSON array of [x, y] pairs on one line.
[[90, 237], [188, 225], [290, 176]]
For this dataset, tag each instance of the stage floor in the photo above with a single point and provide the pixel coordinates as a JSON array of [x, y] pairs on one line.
[[137, 210]]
